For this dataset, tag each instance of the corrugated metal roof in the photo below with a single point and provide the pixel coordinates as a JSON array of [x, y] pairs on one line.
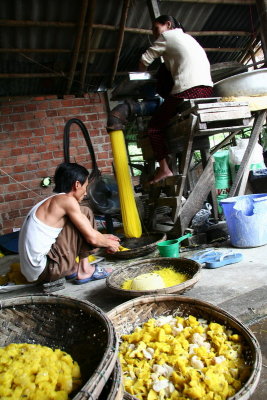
[[53, 25]]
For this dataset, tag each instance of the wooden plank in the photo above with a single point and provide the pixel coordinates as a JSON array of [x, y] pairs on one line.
[[213, 110], [206, 129], [224, 116], [222, 104], [195, 200]]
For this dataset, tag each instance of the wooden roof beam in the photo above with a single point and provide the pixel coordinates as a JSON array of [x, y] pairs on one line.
[[13, 23]]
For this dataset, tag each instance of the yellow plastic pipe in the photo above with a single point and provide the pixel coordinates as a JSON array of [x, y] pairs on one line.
[[130, 217]]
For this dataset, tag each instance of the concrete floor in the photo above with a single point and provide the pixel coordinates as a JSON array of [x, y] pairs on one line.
[[240, 289]]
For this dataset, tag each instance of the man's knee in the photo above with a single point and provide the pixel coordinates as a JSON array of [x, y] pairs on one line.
[[89, 214]]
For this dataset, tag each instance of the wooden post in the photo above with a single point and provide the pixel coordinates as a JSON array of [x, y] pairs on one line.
[[262, 11], [77, 45], [88, 41], [124, 14]]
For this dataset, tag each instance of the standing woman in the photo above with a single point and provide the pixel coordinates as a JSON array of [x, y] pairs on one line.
[[189, 67]]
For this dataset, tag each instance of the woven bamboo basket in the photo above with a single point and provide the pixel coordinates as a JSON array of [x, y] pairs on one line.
[[113, 389], [75, 326], [189, 267], [139, 247], [130, 314]]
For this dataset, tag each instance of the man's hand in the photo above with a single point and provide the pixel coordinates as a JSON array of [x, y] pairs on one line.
[[112, 237], [113, 246]]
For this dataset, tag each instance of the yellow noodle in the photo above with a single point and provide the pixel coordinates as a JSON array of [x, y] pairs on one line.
[[130, 217]]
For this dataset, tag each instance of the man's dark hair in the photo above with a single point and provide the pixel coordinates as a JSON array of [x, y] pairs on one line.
[[162, 19], [67, 174]]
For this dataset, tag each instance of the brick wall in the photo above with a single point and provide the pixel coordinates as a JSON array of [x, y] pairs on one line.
[[31, 146]]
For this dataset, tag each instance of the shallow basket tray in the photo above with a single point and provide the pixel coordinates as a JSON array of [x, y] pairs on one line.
[[130, 314], [139, 247], [75, 326], [183, 265]]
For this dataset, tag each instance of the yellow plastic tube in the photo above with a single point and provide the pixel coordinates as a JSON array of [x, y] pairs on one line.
[[130, 217]]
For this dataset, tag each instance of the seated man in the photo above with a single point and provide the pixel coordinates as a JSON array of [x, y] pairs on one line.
[[58, 229]]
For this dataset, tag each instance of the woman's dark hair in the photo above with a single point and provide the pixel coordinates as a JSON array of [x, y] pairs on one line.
[[67, 174], [162, 19]]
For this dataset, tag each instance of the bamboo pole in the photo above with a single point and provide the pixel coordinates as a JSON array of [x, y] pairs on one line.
[[77, 44], [91, 11], [262, 11], [124, 14]]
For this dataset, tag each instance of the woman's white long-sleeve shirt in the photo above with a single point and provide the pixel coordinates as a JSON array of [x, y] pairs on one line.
[[183, 57]]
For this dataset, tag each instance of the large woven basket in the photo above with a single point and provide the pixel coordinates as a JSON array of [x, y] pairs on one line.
[[139, 247], [128, 315], [113, 389], [184, 265], [77, 327]]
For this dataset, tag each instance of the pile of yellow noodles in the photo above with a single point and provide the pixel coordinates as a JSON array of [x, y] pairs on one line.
[[32, 371], [169, 276], [130, 217]]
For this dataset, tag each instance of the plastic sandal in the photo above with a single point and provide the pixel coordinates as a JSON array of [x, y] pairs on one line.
[[72, 276], [99, 273], [224, 259], [205, 255]]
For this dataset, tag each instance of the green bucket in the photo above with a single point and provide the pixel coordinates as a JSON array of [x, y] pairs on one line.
[[171, 248]]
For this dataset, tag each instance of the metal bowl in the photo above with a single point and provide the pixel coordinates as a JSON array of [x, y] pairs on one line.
[[253, 83]]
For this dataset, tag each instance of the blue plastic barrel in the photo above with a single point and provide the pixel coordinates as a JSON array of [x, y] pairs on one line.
[[246, 218]]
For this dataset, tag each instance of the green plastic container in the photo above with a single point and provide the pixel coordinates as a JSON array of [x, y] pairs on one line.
[[171, 248]]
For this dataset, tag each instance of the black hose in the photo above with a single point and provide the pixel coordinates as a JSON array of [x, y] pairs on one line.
[[66, 143]]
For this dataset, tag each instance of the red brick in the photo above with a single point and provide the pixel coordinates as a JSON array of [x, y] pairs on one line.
[[22, 143], [6, 110], [30, 107], [39, 131], [17, 152], [39, 98], [68, 103], [15, 117], [18, 126], [51, 113], [4, 180], [49, 130], [39, 114], [8, 127], [18, 109], [51, 97]]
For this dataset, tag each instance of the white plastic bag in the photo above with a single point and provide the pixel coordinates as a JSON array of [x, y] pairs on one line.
[[236, 154]]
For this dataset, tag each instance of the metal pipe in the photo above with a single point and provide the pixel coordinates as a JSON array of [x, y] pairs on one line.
[[121, 114]]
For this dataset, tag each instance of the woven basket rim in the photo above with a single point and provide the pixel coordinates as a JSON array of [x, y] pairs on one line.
[[117, 386], [248, 388], [137, 293], [140, 251], [94, 385]]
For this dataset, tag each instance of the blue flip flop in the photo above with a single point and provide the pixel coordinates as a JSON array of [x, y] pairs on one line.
[[99, 273], [224, 259], [205, 255], [216, 259], [72, 276]]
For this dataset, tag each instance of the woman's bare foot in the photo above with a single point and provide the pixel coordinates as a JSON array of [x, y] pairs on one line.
[[162, 172]]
